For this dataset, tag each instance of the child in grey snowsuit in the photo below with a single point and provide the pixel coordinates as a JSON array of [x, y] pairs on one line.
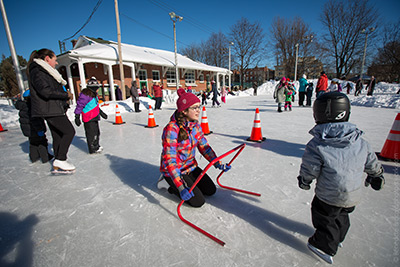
[[337, 156], [279, 93]]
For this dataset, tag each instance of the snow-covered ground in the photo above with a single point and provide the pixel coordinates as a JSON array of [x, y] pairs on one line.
[[110, 212]]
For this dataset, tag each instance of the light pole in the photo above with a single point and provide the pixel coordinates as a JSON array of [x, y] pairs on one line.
[[175, 18], [307, 38], [295, 66], [229, 85], [365, 49]]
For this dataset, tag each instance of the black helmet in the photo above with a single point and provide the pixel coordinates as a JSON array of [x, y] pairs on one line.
[[93, 84], [331, 107]]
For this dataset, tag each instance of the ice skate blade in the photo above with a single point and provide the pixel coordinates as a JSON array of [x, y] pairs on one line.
[[327, 258], [58, 171]]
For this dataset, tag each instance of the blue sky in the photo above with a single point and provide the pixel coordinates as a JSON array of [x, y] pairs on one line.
[[42, 23]]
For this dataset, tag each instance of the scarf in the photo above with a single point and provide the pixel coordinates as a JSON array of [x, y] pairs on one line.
[[52, 71]]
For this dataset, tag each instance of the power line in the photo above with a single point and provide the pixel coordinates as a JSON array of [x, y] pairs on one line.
[[187, 18], [87, 21], [148, 27]]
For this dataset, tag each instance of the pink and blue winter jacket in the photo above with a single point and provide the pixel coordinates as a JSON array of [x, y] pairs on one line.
[[88, 107]]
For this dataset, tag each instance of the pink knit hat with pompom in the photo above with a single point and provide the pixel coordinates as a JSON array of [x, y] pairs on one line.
[[185, 100]]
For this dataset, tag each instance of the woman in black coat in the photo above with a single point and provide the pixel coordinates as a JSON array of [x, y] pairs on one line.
[[49, 100]]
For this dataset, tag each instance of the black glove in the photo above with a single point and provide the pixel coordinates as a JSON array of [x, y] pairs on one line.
[[375, 182], [303, 185], [78, 120], [103, 115]]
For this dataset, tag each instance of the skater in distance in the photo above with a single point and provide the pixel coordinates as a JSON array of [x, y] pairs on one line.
[[180, 138], [337, 156], [49, 100]]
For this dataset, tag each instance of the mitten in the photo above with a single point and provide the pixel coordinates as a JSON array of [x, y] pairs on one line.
[[185, 194], [103, 115], [303, 185], [224, 167], [70, 95], [78, 120], [375, 182]]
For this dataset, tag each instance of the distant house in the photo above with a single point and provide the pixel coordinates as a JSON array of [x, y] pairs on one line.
[[256, 74], [310, 66], [99, 58]]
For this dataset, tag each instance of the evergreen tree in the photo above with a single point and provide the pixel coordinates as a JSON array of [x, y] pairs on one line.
[[8, 77]]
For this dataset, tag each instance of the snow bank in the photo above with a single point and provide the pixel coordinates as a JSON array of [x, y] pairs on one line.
[[384, 97]]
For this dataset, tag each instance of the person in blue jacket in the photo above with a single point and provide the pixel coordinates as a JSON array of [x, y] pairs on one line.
[[302, 89], [88, 105], [337, 156]]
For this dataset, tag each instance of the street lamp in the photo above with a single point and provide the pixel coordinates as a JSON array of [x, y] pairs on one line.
[[230, 43], [307, 38], [365, 49], [295, 66], [175, 18]]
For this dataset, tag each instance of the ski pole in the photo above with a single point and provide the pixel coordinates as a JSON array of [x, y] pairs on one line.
[[222, 243]]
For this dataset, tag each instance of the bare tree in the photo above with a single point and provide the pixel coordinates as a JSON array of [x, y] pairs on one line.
[[344, 21], [386, 65], [217, 50], [248, 47], [287, 34], [212, 52], [195, 52]]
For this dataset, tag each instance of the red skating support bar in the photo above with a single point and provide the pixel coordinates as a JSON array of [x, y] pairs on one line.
[[232, 188], [240, 147]]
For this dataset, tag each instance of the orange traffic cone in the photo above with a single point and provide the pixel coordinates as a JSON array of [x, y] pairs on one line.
[[256, 135], [391, 148], [118, 118], [1, 128], [151, 123], [204, 122]]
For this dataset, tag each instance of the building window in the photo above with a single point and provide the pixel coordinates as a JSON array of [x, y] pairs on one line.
[[156, 75], [171, 76], [189, 77], [142, 75], [201, 78]]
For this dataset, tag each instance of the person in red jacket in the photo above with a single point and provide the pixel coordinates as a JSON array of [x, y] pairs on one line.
[[322, 84], [158, 94]]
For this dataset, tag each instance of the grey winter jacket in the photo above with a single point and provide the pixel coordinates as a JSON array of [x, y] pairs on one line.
[[337, 157], [279, 93], [135, 94]]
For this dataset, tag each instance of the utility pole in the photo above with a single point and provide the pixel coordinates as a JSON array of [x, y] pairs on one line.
[[175, 18], [12, 50], [295, 66], [121, 65], [308, 38], [230, 43], [365, 50]]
